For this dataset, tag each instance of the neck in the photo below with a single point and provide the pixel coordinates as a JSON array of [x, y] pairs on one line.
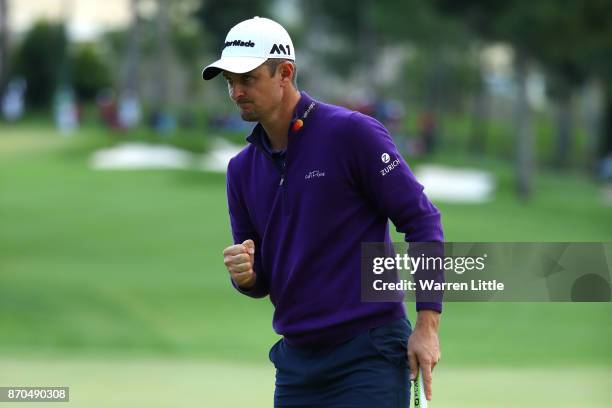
[[277, 124]]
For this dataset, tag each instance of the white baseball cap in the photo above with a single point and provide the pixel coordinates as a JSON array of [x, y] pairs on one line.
[[249, 44]]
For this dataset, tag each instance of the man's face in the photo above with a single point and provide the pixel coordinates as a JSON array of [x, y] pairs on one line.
[[256, 92]]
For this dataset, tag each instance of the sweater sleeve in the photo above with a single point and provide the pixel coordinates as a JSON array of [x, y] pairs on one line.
[[242, 229], [386, 179]]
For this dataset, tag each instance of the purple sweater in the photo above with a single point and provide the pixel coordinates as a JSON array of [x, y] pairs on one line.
[[309, 219]]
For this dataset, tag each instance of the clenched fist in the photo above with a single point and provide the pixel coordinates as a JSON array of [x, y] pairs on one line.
[[239, 260]]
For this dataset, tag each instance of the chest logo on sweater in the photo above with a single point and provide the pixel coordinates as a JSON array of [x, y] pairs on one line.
[[385, 158], [314, 174]]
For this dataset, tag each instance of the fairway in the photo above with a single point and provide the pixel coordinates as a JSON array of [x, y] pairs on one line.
[[113, 283]]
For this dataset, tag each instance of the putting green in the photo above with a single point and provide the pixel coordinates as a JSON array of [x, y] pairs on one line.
[[113, 382]]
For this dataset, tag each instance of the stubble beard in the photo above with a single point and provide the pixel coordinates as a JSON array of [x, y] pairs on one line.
[[249, 116]]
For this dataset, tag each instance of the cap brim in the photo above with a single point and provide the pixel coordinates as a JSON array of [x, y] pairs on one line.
[[237, 65]]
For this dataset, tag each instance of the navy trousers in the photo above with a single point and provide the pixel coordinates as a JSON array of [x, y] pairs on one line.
[[370, 371]]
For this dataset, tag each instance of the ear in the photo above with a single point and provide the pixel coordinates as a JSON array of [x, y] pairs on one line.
[[286, 72]]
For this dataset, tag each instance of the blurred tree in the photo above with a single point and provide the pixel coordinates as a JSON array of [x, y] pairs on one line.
[[141, 38], [443, 82], [217, 17], [442, 68], [350, 24], [139, 49], [172, 35], [516, 23], [90, 72], [4, 44], [481, 109], [188, 43], [553, 45], [561, 85], [41, 60], [572, 40], [573, 43], [595, 56]]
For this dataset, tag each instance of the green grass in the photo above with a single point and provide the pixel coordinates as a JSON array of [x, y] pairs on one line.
[[152, 383], [127, 266], [565, 206]]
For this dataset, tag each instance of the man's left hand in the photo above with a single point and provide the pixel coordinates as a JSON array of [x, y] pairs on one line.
[[424, 347]]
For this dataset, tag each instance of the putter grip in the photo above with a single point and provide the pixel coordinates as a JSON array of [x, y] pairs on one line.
[[418, 392]]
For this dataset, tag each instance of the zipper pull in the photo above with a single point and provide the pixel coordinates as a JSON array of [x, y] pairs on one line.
[[282, 180]]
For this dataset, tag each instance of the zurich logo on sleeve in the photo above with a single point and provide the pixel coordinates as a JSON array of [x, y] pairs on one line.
[[389, 166]]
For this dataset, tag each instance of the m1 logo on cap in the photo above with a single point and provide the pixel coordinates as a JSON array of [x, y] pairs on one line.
[[281, 49]]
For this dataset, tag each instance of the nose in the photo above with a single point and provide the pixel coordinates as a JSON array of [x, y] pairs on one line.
[[235, 91]]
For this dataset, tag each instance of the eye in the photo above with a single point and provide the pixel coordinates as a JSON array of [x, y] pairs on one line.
[[247, 78]]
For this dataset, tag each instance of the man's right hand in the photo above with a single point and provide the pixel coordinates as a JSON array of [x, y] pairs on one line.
[[239, 260]]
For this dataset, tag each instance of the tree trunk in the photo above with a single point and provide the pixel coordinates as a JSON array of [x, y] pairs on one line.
[[368, 46], [605, 145], [434, 100], [130, 76], [439, 105], [593, 110], [524, 133], [163, 62], [4, 33], [565, 128], [480, 120]]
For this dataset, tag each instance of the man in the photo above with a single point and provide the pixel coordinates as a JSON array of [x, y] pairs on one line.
[[315, 182]]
